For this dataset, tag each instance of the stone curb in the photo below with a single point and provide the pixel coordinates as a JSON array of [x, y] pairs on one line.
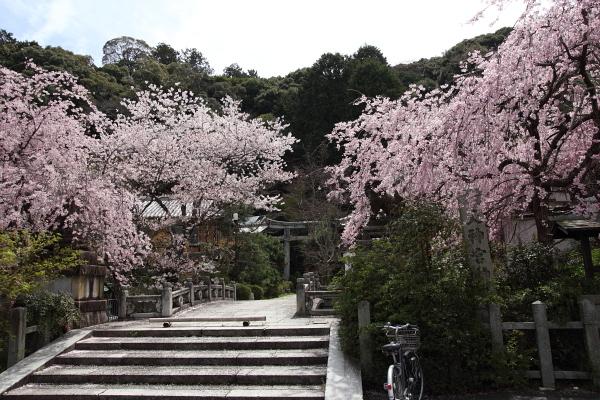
[[21, 371], [344, 380]]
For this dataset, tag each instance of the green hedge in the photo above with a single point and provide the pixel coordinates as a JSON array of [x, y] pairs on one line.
[[258, 291], [243, 292]]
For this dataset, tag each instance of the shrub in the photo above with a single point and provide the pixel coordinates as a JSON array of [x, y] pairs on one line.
[[259, 293], [415, 275], [243, 292], [532, 272], [53, 313], [278, 290], [28, 260], [259, 260]]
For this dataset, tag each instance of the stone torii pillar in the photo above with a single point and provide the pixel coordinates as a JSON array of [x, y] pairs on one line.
[[286, 254]]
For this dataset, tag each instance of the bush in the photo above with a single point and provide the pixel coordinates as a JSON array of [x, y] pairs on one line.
[[259, 261], [416, 275], [259, 293], [532, 272], [53, 313], [243, 292], [276, 291]]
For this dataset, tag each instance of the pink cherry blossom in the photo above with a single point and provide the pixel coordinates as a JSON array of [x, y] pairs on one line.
[[516, 125]]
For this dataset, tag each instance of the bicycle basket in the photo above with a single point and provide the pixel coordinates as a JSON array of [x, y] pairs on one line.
[[409, 339]]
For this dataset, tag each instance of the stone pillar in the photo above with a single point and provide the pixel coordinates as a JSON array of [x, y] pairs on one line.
[[475, 237], [496, 328], [190, 285], [85, 284], [591, 323], [16, 339], [543, 343], [286, 254], [366, 347], [123, 303], [300, 297], [166, 299]]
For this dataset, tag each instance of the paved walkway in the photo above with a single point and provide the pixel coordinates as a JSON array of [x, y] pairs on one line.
[[278, 311]]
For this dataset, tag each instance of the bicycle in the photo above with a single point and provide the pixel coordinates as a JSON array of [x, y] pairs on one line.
[[404, 376]]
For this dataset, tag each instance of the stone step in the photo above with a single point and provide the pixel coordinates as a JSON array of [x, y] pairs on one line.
[[164, 392], [206, 357], [302, 330], [203, 343], [189, 375]]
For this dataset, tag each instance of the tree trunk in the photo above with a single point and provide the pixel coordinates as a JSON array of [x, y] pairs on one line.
[[541, 215]]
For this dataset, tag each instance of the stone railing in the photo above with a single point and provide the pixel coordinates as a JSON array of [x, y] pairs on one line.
[[170, 301], [312, 298]]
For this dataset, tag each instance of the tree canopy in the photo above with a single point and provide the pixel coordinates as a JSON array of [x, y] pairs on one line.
[[515, 126]]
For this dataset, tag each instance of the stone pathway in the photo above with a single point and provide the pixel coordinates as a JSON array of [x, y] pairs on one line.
[[279, 311]]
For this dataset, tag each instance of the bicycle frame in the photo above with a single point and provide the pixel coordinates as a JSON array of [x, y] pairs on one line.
[[396, 371]]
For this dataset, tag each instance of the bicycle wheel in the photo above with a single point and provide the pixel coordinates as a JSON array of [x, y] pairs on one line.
[[395, 384], [413, 377]]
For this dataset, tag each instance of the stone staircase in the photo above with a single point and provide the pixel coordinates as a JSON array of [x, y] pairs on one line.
[[257, 362]]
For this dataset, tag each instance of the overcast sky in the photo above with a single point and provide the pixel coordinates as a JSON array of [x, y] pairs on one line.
[[273, 37]]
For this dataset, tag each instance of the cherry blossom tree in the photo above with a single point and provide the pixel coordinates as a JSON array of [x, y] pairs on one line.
[[47, 179], [515, 126], [67, 168], [169, 143]]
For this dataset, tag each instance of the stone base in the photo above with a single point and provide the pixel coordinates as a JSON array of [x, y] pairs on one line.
[[93, 312]]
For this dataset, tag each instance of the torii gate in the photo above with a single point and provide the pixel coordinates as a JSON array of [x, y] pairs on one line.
[[287, 237], [259, 224]]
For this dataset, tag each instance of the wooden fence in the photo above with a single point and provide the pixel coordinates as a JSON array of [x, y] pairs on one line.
[[590, 324], [17, 335]]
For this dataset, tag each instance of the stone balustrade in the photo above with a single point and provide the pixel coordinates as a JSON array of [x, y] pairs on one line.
[[312, 298], [172, 301]]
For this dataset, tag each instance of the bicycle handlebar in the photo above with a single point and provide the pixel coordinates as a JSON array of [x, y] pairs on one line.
[[398, 327]]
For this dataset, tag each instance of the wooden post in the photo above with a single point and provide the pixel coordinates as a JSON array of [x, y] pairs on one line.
[[364, 339], [209, 289], [190, 284], [167, 300], [16, 338], [234, 291], [224, 288], [496, 328], [123, 303], [591, 323], [543, 343], [300, 297], [286, 254]]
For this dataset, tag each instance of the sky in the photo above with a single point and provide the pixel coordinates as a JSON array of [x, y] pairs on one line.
[[274, 37]]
